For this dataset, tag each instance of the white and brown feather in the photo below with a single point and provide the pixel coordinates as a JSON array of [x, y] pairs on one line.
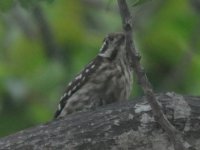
[[76, 84], [108, 78]]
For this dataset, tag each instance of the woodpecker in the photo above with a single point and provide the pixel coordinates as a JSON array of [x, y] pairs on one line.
[[106, 79]]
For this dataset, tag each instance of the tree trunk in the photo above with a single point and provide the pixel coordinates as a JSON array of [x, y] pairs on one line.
[[124, 126]]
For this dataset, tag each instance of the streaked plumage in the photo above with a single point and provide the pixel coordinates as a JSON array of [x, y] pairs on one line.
[[106, 79]]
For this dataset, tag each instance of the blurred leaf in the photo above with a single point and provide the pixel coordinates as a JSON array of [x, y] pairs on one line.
[[5, 4], [50, 1], [39, 112], [139, 2], [30, 3], [17, 89]]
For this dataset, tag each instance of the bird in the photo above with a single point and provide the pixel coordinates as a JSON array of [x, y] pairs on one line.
[[108, 78]]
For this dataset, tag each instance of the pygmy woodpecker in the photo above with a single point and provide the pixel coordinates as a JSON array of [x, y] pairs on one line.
[[106, 79]]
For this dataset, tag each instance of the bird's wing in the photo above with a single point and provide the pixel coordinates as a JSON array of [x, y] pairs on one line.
[[77, 83]]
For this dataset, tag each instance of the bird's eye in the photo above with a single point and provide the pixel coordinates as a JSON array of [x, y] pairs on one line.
[[111, 39]]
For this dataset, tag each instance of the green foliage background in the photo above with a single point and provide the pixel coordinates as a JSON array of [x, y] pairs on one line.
[[32, 78]]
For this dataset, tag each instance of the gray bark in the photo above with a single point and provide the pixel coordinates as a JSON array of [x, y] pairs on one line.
[[125, 126]]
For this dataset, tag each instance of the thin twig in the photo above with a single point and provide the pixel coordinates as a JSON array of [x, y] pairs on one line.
[[175, 135]]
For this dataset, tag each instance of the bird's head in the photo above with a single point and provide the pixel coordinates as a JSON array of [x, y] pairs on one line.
[[113, 45]]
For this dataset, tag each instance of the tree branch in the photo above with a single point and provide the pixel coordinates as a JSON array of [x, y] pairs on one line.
[[52, 49], [174, 134], [120, 126]]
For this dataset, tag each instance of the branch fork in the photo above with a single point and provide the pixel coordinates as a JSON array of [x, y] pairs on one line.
[[174, 135]]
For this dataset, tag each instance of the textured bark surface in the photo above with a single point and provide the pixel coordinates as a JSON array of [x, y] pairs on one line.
[[124, 126]]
